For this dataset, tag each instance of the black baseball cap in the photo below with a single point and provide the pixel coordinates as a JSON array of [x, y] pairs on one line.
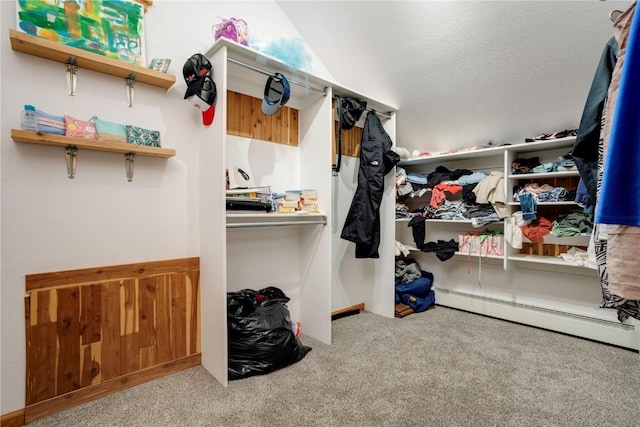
[[194, 71]]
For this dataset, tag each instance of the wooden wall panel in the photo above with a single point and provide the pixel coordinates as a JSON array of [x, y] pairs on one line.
[[193, 309], [246, 119], [178, 316], [68, 332], [351, 140], [86, 332], [163, 319], [90, 313], [147, 314], [111, 357]]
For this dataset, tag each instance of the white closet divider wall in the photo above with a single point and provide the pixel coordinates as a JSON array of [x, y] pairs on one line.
[[296, 258], [368, 281]]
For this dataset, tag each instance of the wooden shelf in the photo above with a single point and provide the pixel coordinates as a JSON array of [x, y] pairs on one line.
[[47, 49], [89, 144]]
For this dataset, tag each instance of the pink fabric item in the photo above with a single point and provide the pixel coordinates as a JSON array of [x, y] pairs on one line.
[[80, 128]]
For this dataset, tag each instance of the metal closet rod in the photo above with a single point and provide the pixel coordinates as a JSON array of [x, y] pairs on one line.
[[386, 115], [267, 73]]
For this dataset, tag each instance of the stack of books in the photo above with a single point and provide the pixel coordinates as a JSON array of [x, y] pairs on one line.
[[309, 201], [298, 201], [252, 199], [290, 203]]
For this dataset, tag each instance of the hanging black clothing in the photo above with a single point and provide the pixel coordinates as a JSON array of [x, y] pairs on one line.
[[362, 225], [585, 149]]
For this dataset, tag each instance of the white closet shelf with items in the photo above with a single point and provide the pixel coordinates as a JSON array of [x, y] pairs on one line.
[[530, 265]]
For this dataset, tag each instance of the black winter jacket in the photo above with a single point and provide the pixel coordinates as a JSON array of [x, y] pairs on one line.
[[362, 225]]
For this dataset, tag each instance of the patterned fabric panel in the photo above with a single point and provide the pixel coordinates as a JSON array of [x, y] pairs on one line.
[[140, 136]]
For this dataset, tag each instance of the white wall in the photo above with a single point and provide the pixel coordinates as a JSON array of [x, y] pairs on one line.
[[50, 222]]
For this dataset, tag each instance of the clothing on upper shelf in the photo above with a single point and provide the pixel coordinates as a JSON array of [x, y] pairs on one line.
[[529, 206], [537, 229], [577, 256], [547, 136], [437, 193], [513, 229], [491, 190], [542, 193], [443, 249], [443, 174], [473, 178], [524, 165], [572, 223], [407, 270]]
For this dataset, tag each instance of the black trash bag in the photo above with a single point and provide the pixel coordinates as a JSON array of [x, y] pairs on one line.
[[260, 336]]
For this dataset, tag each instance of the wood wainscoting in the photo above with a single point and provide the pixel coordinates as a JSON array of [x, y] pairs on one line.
[[95, 331]]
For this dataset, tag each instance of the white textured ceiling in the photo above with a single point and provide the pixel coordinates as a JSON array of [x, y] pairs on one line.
[[461, 72]]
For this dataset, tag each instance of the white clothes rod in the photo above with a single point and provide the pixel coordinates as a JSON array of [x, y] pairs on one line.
[[274, 224], [267, 73], [378, 113]]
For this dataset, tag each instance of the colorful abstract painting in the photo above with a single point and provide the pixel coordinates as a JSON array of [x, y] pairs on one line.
[[112, 28]]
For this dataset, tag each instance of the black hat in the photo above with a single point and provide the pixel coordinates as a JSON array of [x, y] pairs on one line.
[[350, 111], [194, 71]]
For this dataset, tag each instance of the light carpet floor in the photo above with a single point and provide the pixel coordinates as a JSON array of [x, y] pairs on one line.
[[443, 367]]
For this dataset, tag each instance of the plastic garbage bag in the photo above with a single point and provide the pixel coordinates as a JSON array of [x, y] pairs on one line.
[[260, 335]]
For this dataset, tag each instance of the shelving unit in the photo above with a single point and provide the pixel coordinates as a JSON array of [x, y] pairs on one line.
[[538, 290], [299, 253], [47, 49]]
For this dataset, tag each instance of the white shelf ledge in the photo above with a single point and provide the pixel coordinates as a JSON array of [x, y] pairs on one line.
[[500, 257], [567, 203], [558, 174], [248, 220], [549, 260]]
